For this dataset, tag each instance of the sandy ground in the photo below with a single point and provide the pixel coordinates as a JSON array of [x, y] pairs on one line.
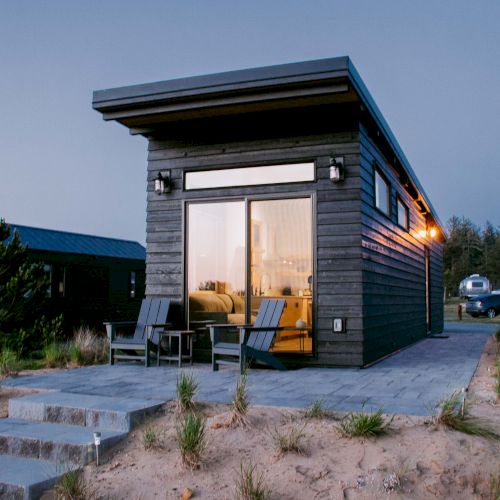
[[427, 462]]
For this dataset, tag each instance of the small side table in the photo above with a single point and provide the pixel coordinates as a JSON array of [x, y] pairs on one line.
[[179, 357]]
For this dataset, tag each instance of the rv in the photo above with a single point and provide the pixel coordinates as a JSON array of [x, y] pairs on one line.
[[474, 285]]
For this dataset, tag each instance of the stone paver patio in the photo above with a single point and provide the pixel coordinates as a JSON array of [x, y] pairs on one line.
[[412, 381]]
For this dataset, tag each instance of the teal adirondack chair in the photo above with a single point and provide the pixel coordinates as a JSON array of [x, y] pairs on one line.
[[254, 341], [153, 315]]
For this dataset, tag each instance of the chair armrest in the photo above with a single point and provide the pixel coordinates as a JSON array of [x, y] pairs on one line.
[[111, 327]]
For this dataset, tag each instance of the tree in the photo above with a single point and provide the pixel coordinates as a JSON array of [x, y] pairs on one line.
[[23, 290], [469, 250]]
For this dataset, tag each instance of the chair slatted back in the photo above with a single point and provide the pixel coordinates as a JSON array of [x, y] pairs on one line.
[[270, 312], [153, 310]]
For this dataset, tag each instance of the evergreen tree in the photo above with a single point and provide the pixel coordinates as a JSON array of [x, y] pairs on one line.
[[23, 290]]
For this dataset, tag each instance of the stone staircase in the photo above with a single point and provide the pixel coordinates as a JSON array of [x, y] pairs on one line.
[[47, 434]]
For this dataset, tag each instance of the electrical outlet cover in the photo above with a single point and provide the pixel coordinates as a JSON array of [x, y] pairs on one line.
[[338, 325]]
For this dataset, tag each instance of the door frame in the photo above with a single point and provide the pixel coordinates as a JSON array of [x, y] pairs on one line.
[[247, 199]]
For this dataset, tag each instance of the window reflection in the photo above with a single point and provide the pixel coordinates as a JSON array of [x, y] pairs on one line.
[[216, 262]]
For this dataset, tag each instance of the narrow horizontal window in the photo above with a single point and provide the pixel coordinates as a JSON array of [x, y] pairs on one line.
[[249, 176], [381, 193], [403, 219]]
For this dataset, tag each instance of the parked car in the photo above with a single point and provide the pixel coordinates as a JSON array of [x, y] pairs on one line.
[[484, 305]]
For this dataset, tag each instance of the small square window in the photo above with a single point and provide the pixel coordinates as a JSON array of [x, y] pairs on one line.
[[403, 215], [381, 193]]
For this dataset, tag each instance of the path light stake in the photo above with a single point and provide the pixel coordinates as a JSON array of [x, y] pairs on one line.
[[97, 442]]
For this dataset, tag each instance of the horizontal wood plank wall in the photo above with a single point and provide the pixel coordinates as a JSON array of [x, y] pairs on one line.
[[394, 289], [338, 271]]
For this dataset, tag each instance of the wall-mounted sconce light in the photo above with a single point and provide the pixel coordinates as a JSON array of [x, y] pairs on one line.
[[337, 169], [163, 184], [432, 232]]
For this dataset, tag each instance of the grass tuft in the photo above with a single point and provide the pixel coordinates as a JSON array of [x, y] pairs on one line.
[[250, 485], [289, 438], [55, 355], [186, 389], [497, 335], [72, 486], [191, 438], [240, 403], [317, 410], [363, 424], [454, 414], [9, 363], [495, 487], [87, 347], [151, 438]]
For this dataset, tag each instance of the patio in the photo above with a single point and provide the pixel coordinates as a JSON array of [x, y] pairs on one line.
[[411, 381]]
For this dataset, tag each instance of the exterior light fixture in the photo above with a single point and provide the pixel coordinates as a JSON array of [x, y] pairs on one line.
[[97, 442], [337, 169], [163, 184], [432, 232]]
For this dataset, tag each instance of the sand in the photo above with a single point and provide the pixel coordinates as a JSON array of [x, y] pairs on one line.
[[413, 460]]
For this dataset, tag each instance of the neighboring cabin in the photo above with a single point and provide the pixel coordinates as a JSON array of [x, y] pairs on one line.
[[286, 181], [92, 278]]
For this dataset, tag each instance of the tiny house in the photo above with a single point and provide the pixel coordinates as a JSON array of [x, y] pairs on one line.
[[286, 181], [91, 278]]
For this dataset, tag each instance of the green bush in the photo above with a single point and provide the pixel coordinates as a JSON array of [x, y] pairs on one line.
[[453, 412], [363, 424], [250, 485], [87, 347], [191, 438], [56, 355], [9, 363], [186, 389]]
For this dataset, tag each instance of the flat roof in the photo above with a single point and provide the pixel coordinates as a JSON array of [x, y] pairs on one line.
[[50, 240], [136, 106]]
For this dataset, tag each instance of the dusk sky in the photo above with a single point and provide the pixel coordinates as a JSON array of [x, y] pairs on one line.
[[433, 68]]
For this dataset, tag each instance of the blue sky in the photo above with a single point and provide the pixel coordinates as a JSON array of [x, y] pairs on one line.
[[433, 67]]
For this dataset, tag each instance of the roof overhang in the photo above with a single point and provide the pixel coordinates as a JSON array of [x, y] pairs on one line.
[[144, 108]]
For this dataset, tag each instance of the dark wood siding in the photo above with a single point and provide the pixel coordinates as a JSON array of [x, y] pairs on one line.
[[337, 209], [394, 276]]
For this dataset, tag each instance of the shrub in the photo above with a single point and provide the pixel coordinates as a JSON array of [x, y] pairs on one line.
[[87, 347], [240, 402], [363, 424], [251, 485], [186, 389], [497, 335], [288, 438], [151, 438], [454, 414], [55, 355], [9, 363], [191, 438], [497, 385], [317, 409], [72, 486]]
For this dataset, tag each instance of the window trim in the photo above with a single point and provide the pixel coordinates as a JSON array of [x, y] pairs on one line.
[[399, 200], [378, 170]]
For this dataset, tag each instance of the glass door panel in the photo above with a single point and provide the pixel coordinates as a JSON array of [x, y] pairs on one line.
[[281, 266], [216, 253]]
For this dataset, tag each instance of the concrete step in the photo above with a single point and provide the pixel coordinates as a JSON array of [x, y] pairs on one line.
[[59, 443], [26, 478], [103, 412]]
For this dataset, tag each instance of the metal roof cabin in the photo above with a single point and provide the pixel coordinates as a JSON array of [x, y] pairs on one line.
[[92, 278], [286, 181]]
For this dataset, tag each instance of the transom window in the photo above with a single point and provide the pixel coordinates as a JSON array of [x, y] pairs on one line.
[[403, 219], [381, 193], [249, 176]]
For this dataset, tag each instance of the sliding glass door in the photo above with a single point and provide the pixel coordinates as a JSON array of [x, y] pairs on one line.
[[242, 252]]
